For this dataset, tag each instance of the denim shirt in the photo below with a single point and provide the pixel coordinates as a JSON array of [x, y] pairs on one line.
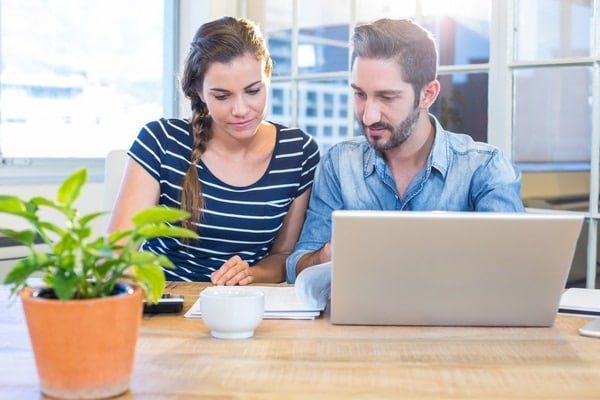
[[460, 175]]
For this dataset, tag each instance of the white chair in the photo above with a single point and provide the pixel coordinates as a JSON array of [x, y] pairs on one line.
[[114, 169]]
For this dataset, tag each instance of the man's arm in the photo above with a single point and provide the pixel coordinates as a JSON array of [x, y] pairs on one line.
[[320, 256]]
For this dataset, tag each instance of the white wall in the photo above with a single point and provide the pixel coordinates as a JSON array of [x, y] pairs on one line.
[[90, 200]]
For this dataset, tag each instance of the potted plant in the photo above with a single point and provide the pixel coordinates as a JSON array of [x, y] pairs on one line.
[[84, 320]]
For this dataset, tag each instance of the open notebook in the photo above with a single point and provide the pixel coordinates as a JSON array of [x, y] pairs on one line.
[[281, 302], [450, 268]]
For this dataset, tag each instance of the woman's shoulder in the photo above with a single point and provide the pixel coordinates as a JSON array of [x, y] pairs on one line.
[[295, 135], [166, 130], [169, 125]]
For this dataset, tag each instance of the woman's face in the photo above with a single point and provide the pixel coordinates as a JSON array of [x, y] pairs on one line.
[[236, 95]]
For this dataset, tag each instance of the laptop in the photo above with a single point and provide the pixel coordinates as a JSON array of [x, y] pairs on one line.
[[450, 268]]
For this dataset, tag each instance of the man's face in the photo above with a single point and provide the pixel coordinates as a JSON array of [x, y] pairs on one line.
[[384, 102]]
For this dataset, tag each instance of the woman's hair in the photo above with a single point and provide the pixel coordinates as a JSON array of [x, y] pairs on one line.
[[411, 46], [221, 41]]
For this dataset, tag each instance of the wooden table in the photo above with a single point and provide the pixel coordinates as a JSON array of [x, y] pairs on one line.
[[312, 359]]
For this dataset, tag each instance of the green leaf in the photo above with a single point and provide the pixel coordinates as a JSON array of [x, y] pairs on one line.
[[42, 201], [115, 237], [64, 245], [164, 261], [26, 237], [158, 214], [71, 188], [102, 270], [152, 279], [89, 217], [153, 231], [51, 227], [65, 284], [14, 205], [143, 257], [24, 267]]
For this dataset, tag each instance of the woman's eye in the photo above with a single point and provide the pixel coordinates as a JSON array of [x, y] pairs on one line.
[[221, 97], [253, 91]]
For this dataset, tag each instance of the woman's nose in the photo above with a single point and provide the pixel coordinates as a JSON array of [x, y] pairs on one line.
[[240, 106]]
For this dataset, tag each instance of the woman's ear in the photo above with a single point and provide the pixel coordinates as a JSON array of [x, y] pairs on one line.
[[429, 94]]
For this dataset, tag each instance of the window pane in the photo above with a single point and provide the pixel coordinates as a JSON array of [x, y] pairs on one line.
[[78, 78], [368, 10], [552, 114], [547, 29], [323, 110], [323, 36], [462, 30], [280, 103], [277, 29], [462, 104], [323, 49]]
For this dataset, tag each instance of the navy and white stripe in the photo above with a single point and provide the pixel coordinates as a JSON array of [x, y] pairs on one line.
[[236, 220]]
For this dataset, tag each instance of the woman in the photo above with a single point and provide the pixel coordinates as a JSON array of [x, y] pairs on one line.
[[245, 181]]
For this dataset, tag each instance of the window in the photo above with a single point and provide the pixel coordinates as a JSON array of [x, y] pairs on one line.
[[322, 48], [78, 78], [328, 105], [520, 74], [552, 72]]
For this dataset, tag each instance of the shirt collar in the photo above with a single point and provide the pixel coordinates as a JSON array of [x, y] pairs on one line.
[[439, 157]]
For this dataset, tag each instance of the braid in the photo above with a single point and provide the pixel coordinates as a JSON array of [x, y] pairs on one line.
[[221, 41], [191, 194]]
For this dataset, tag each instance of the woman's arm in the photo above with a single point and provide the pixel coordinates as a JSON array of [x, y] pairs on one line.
[[138, 191]]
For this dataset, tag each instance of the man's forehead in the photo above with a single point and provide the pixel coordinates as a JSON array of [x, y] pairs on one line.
[[374, 70]]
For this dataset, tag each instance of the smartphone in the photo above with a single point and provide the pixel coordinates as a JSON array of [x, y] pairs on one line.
[[167, 304], [591, 328]]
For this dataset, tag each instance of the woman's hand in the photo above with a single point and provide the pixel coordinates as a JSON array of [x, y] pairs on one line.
[[234, 271]]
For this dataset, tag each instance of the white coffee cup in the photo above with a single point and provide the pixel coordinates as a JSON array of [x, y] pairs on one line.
[[232, 312]]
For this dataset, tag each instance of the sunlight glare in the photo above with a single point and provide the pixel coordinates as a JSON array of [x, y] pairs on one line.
[[465, 8]]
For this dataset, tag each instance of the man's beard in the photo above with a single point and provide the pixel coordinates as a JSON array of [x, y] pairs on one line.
[[399, 134]]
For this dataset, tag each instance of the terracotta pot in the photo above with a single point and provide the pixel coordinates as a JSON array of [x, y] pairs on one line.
[[84, 349]]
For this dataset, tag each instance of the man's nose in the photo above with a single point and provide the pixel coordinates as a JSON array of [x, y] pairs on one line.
[[371, 113]]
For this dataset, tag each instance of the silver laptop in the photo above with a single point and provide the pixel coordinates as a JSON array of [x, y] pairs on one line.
[[450, 268]]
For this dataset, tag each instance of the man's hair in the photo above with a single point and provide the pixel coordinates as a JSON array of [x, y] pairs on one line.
[[402, 40]]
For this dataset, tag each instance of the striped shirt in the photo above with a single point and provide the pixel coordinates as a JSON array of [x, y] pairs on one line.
[[235, 220]]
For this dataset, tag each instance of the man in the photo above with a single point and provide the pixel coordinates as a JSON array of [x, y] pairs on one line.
[[406, 160]]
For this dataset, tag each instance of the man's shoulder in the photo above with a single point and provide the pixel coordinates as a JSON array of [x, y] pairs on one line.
[[463, 143]]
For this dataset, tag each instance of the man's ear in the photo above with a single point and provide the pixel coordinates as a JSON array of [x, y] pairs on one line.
[[429, 94]]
